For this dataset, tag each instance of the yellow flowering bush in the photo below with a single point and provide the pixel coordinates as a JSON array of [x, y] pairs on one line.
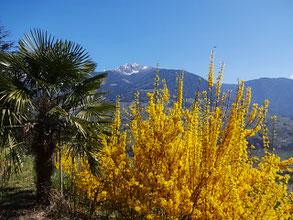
[[189, 163]]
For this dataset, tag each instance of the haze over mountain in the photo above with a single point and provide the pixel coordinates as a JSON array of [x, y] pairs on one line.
[[129, 78]]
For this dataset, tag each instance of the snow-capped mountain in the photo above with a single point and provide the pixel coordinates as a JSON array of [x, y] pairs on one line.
[[131, 68], [126, 80]]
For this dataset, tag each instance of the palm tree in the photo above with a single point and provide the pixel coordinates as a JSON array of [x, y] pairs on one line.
[[46, 89]]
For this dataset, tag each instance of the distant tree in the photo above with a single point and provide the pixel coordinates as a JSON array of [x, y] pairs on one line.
[[9, 154], [46, 91], [5, 45]]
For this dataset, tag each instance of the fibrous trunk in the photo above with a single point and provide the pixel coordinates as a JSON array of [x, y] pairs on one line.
[[43, 146]]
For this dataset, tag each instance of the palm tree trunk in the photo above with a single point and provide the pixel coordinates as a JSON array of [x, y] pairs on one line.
[[43, 146]]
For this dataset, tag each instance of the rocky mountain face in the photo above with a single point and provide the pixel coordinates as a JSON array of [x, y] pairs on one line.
[[131, 68]]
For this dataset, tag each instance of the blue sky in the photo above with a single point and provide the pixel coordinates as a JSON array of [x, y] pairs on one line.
[[253, 37]]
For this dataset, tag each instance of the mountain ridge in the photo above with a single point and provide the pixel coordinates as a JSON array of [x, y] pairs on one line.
[[279, 91], [130, 78]]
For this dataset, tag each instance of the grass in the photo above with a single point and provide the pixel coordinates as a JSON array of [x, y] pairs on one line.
[[17, 196], [25, 179], [18, 200]]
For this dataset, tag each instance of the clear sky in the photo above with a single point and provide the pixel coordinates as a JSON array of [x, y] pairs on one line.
[[253, 37]]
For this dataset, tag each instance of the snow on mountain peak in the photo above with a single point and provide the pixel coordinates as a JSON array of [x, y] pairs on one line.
[[131, 68]]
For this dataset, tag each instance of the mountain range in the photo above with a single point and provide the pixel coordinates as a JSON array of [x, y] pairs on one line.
[[130, 78], [126, 80]]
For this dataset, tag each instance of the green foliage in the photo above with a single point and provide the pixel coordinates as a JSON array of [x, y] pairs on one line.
[[48, 96], [25, 179]]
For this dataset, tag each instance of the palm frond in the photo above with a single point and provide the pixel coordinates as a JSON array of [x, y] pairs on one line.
[[98, 111], [83, 93], [83, 126], [57, 62]]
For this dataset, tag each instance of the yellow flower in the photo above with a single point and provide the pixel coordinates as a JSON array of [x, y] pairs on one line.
[[188, 163], [137, 209]]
